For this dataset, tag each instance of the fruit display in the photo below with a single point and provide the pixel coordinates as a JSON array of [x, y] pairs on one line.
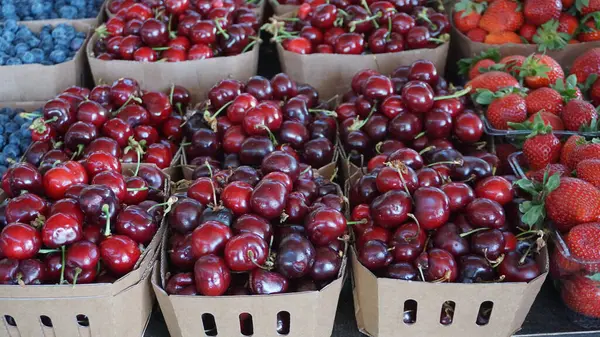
[[49, 9], [52, 45], [176, 31], [414, 108], [242, 123], [352, 28], [109, 125], [549, 24], [204, 6], [244, 231], [57, 226], [15, 136], [515, 90]]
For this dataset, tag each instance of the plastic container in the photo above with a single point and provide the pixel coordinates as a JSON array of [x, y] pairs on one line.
[[490, 130]]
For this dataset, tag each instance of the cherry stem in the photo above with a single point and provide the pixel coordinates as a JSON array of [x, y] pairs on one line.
[[78, 152], [250, 45], [362, 221], [452, 162], [353, 24], [137, 189], [62, 264], [168, 204], [444, 278], [421, 272], [412, 216], [522, 260], [171, 92], [220, 29], [77, 273], [378, 147], [106, 211], [306, 170], [457, 94], [270, 134], [222, 108], [31, 115], [161, 48], [423, 15], [401, 169], [48, 251], [420, 135], [253, 260], [497, 262], [178, 106], [472, 231], [427, 149], [358, 124]]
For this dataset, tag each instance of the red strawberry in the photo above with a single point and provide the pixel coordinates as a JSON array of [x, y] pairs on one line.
[[573, 202], [472, 66], [477, 35], [568, 88], [467, 15], [483, 64], [586, 64], [541, 147], [582, 152], [538, 12], [527, 31], [552, 169], [561, 264], [549, 119], [587, 6], [540, 71], [595, 92], [508, 109], [513, 63], [590, 31], [570, 145], [544, 99], [493, 81], [581, 294], [502, 15], [583, 242], [568, 24], [578, 114], [589, 170]]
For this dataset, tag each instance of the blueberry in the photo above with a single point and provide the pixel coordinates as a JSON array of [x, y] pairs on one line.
[[11, 151], [58, 56], [14, 138], [38, 54], [11, 127], [3, 169], [28, 58], [19, 119], [4, 44], [23, 33], [8, 36], [13, 61], [25, 133], [21, 47], [37, 8], [68, 12], [3, 60], [8, 10], [11, 25], [2, 127], [76, 43], [2, 143], [33, 42]]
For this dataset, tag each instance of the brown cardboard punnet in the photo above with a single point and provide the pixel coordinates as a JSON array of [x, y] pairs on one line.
[[312, 314], [36, 82], [379, 303], [463, 47], [280, 9], [197, 76], [331, 74], [116, 309]]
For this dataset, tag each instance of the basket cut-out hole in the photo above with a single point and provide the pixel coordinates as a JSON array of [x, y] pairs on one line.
[[10, 320], [283, 323], [246, 324], [485, 313], [83, 320], [46, 321], [409, 314], [210, 325], [447, 314]]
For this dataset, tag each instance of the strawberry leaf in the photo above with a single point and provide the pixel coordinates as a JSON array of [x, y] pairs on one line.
[[566, 88], [553, 183], [581, 4], [527, 125], [528, 186], [594, 277], [547, 37], [592, 127], [539, 127], [533, 67], [534, 214], [484, 96], [465, 65]]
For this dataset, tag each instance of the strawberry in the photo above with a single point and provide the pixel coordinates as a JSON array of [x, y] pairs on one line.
[[493, 81], [568, 88], [573, 142], [590, 30], [504, 109], [589, 170], [472, 66], [541, 147], [513, 63], [527, 32], [581, 294], [540, 70], [544, 99], [587, 6], [582, 152], [561, 264], [568, 3], [573, 202], [538, 12], [503, 38], [548, 37], [502, 15], [477, 35], [583, 243], [586, 64], [595, 92], [578, 115], [467, 15], [552, 169], [568, 24], [549, 119]]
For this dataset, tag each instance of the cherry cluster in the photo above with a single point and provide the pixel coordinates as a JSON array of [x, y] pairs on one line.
[[346, 27], [79, 222], [247, 121], [176, 30], [413, 107], [109, 124], [246, 231], [441, 217]]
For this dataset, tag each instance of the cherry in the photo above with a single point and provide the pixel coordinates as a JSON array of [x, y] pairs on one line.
[[119, 254], [246, 174], [459, 195], [224, 92], [295, 257], [401, 271], [53, 263], [205, 142], [438, 265], [21, 177], [92, 112], [118, 130], [438, 124], [495, 188], [158, 106], [418, 96], [58, 179], [59, 114], [425, 71], [279, 161], [185, 215], [211, 276], [25, 208], [204, 32], [517, 268], [472, 168], [178, 282], [251, 223], [418, 37], [349, 43], [68, 206], [296, 208], [245, 252], [146, 133], [20, 241], [318, 152], [112, 180], [159, 154], [134, 115], [324, 16], [375, 255], [377, 87], [103, 144], [409, 157], [510, 242], [324, 225], [24, 272], [80, 276], [99, 204], [210, 238], [269, 198], [396, 178], [263, 282], [137, 224], [128, 46], [489, 243], [432, 208], [327, 264], [448, 238], [154, 33], [474, 269], [405, 127], [180, 254], [485, 213], [61, 229], [236, 196], [82, 254], [468, 127]]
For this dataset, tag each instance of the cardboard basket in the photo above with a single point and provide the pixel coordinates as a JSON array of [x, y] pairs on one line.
[[36, 82], [197, 76], [279, 9]]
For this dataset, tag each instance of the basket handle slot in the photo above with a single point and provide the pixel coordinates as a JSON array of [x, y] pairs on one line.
[[409, 314], [283, 323], [46, 321], [82, 320], [246, 324], [447, 314], [485, 313], [9, 320], [210, 325]]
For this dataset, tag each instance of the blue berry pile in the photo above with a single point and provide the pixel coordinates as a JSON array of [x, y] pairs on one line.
[[15, 136], [25, 10], [19, 45]]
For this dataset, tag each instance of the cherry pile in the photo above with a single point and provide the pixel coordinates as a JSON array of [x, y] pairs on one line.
[[79, 222], [108, 125], [414, 108], [346, 27], [241, 123], [245, 231], [176, 30], [114, 6]]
